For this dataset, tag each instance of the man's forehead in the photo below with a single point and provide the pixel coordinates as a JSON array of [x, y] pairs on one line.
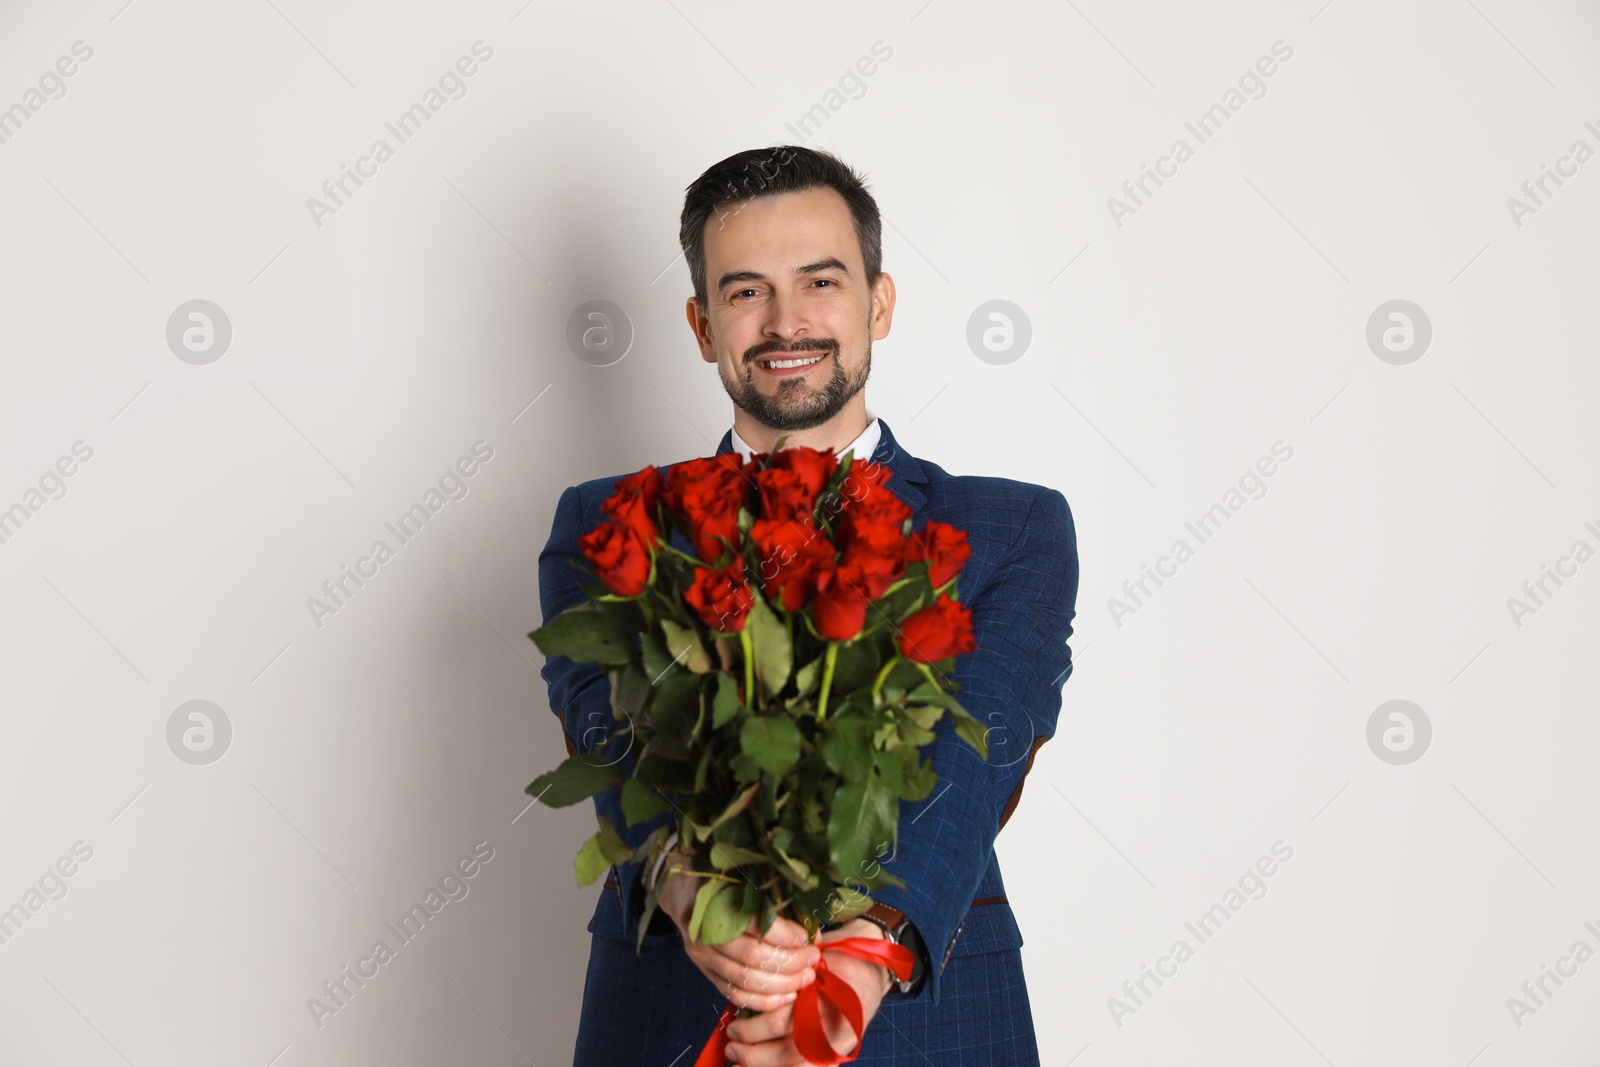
[[782, 231]]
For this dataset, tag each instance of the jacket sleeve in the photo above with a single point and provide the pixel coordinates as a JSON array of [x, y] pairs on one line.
[[1022, 619], [580, 695]]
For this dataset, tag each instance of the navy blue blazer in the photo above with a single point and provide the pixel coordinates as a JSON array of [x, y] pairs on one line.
[[1020, 583]]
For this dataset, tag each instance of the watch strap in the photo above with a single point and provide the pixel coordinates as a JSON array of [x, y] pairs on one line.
[[901, 931]]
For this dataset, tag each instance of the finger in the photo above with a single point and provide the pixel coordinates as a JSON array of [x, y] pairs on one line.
[[740, 998], [756, 951], [779, 1053], [768, 1026], [757, 1002], [771, 959], [764, 977], [754, 988]]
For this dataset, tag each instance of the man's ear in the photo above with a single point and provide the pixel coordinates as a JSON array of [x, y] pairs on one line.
[[882, 306], [700, 326]]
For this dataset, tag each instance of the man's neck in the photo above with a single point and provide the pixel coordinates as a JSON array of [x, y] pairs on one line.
[[837, 433]]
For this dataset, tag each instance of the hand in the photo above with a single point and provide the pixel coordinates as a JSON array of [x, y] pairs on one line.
[[755, 972], [767, 1040]]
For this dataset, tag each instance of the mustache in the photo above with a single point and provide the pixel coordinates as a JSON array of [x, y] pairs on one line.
[[805, 344]]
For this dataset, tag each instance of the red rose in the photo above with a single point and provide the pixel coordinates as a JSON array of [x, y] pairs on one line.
[[938, 631], [873, 512], [944, 547], [633, 504], [784, 495], [707, 494], [871, 571], [792, 553], [619, 558], [812, 467], [712, 482], [721, 597], [840, 609], [865, 482], [881, 536], [707, 526], [792, 481], [846, 589]]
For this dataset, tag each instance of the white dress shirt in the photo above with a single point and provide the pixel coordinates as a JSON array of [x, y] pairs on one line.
[[862, 447]]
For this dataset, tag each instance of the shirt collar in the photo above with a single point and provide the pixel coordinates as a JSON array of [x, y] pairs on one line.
[[862, 447]]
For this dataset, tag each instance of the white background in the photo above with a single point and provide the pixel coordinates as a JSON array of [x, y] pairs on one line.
[[1169, 352]]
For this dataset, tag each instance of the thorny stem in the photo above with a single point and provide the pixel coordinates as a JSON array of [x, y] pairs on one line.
[[829, 658], [749, 666], [883, 673]]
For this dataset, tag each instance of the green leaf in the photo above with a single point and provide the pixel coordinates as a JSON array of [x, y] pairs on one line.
[[744, 768], [853, 903], [846, 748], [701, 769], [578, 778], [591, 863], [585, 635], [702, 899], [799, 871], [890, 767], [773, 741], [924, 715], [726, 704], [854, 668], [919, 776], [971, 730], [725, 918], [806, 678], [640, 802], [658, 662], [862, 819], [737, 805], [724, 856], [684, 646], [673, 710], [601, 851], [774, 651], [630, 688]]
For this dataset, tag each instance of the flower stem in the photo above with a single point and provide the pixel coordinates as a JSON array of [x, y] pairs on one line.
[[829, 658], [749, 666], [676, 551], [883, 673]]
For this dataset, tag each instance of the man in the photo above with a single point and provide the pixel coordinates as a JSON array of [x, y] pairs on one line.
[[784, 247]]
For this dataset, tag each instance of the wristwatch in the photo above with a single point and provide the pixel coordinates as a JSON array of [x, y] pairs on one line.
[[900, 931]]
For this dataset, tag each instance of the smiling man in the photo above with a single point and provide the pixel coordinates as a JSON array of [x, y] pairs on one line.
[[784, 246]]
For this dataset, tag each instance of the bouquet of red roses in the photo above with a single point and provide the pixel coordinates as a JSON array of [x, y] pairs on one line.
[[776, 685]]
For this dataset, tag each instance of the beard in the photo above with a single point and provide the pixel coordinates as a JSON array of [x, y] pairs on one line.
[[796, 405]]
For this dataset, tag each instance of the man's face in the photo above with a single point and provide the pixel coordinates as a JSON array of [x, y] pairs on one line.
[[790, 319]]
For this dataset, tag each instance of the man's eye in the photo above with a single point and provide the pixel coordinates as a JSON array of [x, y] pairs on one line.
[[823, 281], [741, 292]]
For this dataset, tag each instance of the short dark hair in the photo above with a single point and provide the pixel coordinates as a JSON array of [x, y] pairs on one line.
[[761, 172]]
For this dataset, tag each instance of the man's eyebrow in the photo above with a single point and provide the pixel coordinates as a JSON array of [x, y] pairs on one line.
[[735, 276]]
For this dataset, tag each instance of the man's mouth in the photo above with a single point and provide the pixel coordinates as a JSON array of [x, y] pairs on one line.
[[789, 362]]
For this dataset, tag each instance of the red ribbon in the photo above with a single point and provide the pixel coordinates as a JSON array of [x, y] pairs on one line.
[[809, 1038]]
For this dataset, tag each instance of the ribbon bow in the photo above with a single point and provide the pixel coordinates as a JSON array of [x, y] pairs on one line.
[[809, 1038]]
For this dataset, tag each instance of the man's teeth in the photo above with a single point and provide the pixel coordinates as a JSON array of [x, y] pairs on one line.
[[783, 364]]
